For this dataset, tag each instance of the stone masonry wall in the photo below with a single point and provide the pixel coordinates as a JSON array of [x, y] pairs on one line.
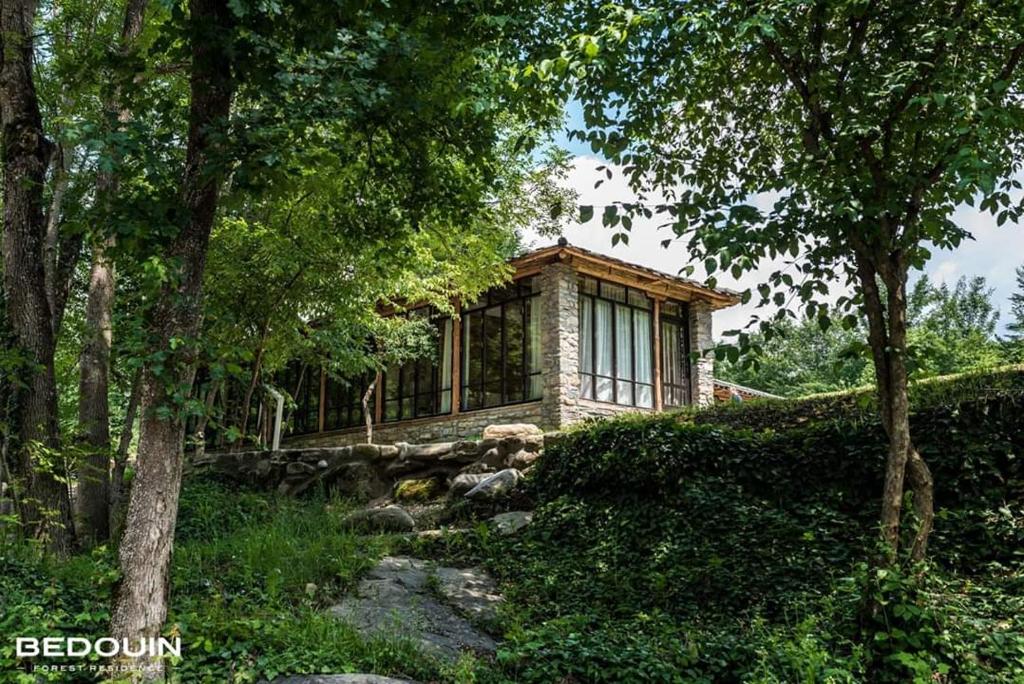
[[702, 371], [426, 430], [560, 344]]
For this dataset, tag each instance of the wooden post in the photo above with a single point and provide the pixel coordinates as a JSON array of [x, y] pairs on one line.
[[456, 362], [658, 402], [323, 404], [378, 399]]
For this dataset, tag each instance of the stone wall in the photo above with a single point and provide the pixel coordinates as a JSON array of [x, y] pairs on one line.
[[427, 430], [702, 371], [371, 471], [560, 328]]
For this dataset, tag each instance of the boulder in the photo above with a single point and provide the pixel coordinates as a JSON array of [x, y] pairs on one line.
[[511, 429], [388, 451], [298, 468], [493, 458], [511, 522], [465, 451], [478, 468], [387, 519], [463, 482], [368, 452], [496, 486], [359, 480], [419, 489], [521, 460], [427, 452]]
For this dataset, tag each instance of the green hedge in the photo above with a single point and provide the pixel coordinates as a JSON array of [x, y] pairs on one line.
[[973, 441]]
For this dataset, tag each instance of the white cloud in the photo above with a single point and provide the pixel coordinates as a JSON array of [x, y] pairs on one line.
[[994, 252]]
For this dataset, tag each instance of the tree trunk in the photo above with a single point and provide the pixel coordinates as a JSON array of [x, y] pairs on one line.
[[93, 403], [887, 334], [257, 367], [94, 362], [367, 416], [121, 459], [199, 436], [45, 503], [140, 605]]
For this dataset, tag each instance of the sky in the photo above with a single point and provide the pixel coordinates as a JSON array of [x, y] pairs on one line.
[[995, 252]]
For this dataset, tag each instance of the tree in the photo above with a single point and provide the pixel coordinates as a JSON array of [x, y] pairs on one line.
[[94, 491], [797, 357], [32, 303], [838, 137], [952, 330], [274, 97], [1016, 325], [140, 605]]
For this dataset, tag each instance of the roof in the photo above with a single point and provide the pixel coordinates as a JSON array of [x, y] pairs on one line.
[[623, 272], [743, 389]]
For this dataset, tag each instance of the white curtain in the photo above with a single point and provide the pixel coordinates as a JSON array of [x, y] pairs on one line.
[[603, 337], [623, 346], [533, 360], [446, 367], [586, 329], [644, 347]]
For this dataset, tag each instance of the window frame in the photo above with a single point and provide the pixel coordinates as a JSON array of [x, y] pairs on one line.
[[436, 364], [500, 297], [682, 320], [613, 330]]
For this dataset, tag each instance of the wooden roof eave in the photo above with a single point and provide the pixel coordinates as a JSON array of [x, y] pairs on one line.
[[662, 286]]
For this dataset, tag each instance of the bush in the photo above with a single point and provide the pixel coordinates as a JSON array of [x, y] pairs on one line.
[[741, 549]]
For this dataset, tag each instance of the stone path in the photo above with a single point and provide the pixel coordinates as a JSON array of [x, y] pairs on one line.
[[439, 607]]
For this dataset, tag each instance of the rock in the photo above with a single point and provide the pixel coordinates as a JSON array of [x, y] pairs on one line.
[[510, 445], [310, 589], [464, 482], [321, 464], [496, 486], [422, 489], [521, 460], [512, 522], [299, 468], [400, 598], [340, 679], [478, 468], [387, 519], [511, 429], [388, 451], [262, 468], [465, 451], [493, 458], [368, 452], [359, 480], [427, 452]]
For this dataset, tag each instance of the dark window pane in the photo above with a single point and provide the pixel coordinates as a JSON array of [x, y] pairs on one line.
[[492, 353], [637, 298], [515, 351]]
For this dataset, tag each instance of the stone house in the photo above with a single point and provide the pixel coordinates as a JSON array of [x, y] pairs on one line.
[[576, 334]]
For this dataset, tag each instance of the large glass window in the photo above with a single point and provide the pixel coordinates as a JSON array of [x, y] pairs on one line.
[[616, 344], [501, 347], [675, 355], [344, 402], [422, 387]]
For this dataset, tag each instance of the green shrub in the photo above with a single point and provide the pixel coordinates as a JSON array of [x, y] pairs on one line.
[[741, 548]]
